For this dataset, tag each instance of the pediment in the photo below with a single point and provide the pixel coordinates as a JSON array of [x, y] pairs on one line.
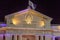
[[30, 11], [28, 18]]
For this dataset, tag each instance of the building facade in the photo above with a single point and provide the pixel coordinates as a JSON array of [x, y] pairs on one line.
[[29, 24]]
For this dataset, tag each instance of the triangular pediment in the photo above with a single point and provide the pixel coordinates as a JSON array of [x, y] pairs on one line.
[[28, 17], [28, 10]]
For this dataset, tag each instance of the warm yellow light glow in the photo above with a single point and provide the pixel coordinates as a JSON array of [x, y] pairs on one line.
[[15, 21], [41, 23], [29, 19], [58, 27]]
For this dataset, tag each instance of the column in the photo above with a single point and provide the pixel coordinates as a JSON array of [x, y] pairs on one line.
[[53, 38], [20, 37], [48, 38], [1, 36], [15, 37], [41, 37], [8, 37], [37, 37]]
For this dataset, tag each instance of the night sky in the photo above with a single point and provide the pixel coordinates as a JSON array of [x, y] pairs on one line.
[[50, 8]]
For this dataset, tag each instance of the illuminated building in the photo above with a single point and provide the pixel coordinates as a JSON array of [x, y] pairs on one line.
[[29, 24]]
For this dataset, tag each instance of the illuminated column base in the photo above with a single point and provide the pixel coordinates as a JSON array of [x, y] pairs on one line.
[[48, 38], [19, 37], [1, 36], [37, 37], [8, 37], [41, 37], [15, 37]]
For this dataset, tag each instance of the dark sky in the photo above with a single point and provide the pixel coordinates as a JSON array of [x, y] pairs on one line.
[[48, 7]]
